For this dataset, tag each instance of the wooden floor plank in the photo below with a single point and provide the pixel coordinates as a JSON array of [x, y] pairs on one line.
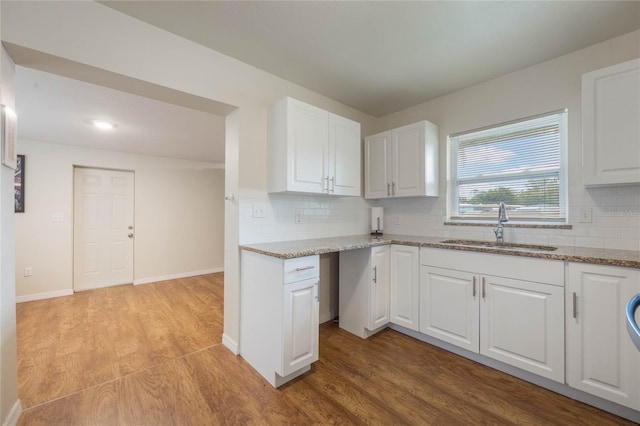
[[151, 355]]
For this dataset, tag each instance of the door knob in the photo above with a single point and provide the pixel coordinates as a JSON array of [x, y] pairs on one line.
[[130, 235]]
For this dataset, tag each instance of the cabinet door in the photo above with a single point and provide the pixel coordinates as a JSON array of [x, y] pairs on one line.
[[449, 308], [610, 129], [344, 156], [522, 324], [408, 177], [300, 325], [405, 286], [601, 358], [379, 289], [377, 179], [307, 148]]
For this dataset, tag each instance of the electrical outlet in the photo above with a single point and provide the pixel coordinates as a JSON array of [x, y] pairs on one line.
[[28, 271], [584, 215], [258, 210], [299, 214]]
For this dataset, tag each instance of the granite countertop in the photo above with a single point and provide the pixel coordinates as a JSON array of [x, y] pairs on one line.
[[300, 248]]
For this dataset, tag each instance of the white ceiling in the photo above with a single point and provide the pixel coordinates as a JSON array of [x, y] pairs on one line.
[[384, 56], [378, 57], [58, 109]]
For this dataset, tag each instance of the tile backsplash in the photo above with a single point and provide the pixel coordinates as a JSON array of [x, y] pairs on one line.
[[615, 221], [615, 218], [319, 216]]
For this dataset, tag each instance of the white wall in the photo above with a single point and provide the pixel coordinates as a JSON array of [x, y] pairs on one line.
[[9, 403], [541, 88], [95, 35], [179, 216]]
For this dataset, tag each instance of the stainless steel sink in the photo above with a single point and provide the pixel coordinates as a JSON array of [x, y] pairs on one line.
[[501, 246]]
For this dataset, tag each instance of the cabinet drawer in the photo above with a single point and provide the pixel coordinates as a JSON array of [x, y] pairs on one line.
[[301, 268]]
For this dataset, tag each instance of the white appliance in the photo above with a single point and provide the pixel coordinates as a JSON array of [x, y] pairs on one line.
[[632, 324]]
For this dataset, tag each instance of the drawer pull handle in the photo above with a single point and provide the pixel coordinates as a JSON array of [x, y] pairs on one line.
[[304, 268], [484, 294], [474, 287], [575, 305], [375, 274]]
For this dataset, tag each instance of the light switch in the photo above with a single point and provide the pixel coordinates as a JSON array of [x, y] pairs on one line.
[[28, 271]]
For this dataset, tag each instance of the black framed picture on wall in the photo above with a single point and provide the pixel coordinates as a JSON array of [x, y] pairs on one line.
[[18, 184]]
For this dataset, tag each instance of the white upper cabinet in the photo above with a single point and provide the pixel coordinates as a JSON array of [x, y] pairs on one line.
[[311, 150], [402, 162], [611, 125], [344, 156], [377, 173]]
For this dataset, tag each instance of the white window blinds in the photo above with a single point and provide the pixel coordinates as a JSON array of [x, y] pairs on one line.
[[520, 164]]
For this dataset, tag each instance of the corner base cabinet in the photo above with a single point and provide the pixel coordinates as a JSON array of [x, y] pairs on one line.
[[601, 357], [364, 290], [280, 315], [404, 284]]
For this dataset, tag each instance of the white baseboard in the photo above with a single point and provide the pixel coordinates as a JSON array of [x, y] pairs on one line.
[[46, 295], [230, 344], [14, 414], [176, 276], [327, 317]]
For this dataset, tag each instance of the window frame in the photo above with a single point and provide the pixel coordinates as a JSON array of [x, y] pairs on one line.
[[452, 204]]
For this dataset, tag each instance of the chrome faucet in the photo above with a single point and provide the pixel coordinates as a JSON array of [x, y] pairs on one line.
[[502, 217]]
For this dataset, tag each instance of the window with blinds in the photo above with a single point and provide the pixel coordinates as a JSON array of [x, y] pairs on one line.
[[521, 164]]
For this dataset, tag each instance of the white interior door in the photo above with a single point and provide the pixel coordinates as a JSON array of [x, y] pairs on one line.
[[103, 228]]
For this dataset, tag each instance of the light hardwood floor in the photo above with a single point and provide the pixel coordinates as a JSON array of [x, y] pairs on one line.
[[150, 355]]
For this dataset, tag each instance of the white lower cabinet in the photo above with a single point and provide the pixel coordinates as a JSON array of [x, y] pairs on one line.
[[512, 318], [279, 315], [449, 308], [601, 358], [364, 290], [404, 270], [522, 324]]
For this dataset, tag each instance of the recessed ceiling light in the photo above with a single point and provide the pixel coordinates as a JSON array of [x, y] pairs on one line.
[[103, 125]]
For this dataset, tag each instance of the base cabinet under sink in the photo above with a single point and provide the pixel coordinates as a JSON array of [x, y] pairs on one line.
[[510, 319]]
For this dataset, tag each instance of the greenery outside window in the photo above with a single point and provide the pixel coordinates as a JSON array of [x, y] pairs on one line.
[[521, 163]]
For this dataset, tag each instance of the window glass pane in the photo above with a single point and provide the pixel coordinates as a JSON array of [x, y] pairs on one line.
[[518, 164]]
